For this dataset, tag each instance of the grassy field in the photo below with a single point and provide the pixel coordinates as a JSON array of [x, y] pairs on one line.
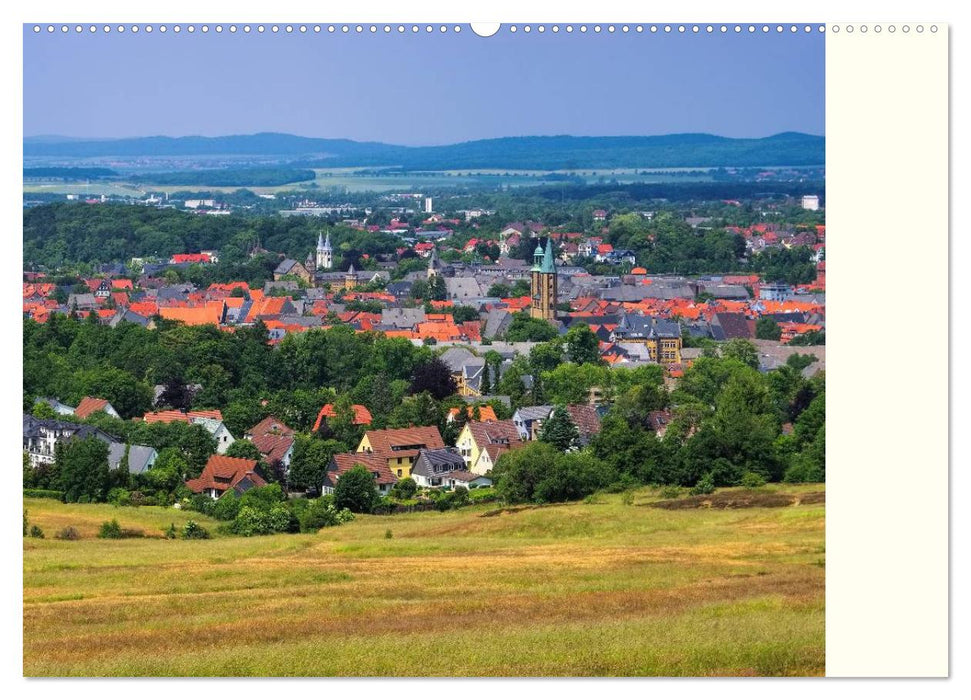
[[609, 587], [354, 180]]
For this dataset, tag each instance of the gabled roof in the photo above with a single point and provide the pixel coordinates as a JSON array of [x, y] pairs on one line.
[[500, 432], [445, 460], [486, 413], [344, 462], [362, 416], [90, 405], [270, 426], [531, 413], [223, 473], [586, 419], [404, 442], [273, 447]]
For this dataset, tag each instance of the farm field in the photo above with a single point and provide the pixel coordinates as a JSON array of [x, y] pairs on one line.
[[373, 180], [607, 587]]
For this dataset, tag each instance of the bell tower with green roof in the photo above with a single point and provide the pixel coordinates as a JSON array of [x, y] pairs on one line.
[[543, 283]]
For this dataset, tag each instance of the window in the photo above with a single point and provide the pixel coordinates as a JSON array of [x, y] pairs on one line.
[[399, 472]]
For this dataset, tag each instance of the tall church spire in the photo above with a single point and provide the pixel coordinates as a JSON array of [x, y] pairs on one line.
[[325, 254]]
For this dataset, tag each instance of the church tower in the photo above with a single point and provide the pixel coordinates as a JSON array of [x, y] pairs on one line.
[[433, 264], [325, 254], [543, 283], [350, 279]]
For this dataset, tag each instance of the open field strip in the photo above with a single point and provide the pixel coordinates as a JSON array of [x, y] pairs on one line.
[[601, 588]]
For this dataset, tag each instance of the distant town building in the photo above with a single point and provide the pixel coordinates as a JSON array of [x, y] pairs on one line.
[[810, 202], [428, 205], [775, 291], [325, 253], [543, 283]]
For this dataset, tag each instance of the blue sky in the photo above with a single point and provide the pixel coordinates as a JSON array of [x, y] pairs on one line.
[[422, 89]]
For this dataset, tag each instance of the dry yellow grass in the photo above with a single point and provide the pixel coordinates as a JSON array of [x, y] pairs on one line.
[[598, 588]]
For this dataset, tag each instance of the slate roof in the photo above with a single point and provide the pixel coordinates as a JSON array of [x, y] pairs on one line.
[[433, 462], [636, 326], [531, 413], [285, 267], [140, 458], [725, 326]]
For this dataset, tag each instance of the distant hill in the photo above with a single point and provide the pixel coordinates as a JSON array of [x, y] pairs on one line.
[[526, 152]]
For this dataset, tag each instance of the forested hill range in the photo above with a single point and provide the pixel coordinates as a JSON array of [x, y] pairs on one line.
[[526, 152]]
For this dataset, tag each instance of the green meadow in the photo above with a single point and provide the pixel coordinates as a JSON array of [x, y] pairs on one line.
[[608, 587]]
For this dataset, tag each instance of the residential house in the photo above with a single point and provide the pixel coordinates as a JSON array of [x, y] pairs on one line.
[[399, 447], [662, 338], [294, 268], [90, 405], [223, 473], [211, 420], [344, 462], [432, 465], [276, 449], [141, 458], [486, 413], [269, 426], [42, 435], [528, 420], [362, 416], [587, 420], [477, 435]]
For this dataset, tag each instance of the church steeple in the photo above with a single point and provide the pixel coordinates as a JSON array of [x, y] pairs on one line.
[[543, 283], [325, 254], [538, 256]]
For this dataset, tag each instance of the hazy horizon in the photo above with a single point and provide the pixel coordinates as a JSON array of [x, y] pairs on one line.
[[424, 89], [71, 137]]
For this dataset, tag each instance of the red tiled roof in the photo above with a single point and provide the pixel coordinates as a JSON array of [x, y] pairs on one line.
[[90, 405], [223, 473], [404, 442], [501, 432], [273, 447], [165, 417], [376, 464], [362, 416], [270, 426], [486, 413]]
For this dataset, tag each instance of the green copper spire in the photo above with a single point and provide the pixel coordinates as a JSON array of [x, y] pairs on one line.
[[538, 256], [548, 264]]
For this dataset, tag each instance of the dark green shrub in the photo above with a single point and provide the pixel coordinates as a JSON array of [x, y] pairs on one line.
[[170, 532], [705, 485], [194, 531], [670, 492], [43, 493], [35, 531], [752, 480], [322, 513], [119, 497], [110, 530]]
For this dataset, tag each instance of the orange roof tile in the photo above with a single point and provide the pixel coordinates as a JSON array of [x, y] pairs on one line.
[[90, 405], [362, 416]]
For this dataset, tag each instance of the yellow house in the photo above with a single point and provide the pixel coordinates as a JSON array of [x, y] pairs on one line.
[[400, 446], [477, 435], [661, 337]]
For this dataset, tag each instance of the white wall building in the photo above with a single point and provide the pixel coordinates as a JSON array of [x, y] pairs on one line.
[[810, 202]]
